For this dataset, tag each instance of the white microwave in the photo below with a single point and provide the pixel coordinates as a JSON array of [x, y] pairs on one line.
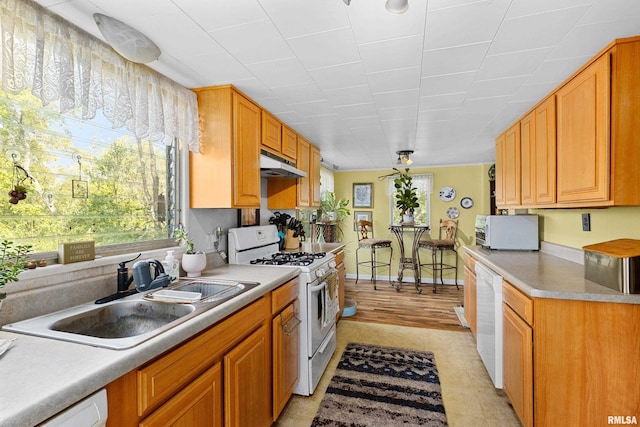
[[508, 232]]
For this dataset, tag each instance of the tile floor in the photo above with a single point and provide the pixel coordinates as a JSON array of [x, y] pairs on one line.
[[469, 396]]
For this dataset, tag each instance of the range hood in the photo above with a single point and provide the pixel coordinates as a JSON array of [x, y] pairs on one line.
[[271, 165]]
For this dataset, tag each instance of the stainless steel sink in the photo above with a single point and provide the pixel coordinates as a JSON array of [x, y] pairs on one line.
[[130, 321]]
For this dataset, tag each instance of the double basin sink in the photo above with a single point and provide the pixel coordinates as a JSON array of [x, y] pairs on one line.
[[127, 322]]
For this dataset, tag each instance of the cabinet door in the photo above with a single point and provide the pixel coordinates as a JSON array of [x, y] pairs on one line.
[[304, 164], [518, 364], [286, 350], [289, 143], [246, 168], [527, 158], [314, 182], [470, 299], [271, 132], [500, 172], [247, 382], [198, 404], [545, 152], [512, 173], [583, 135]]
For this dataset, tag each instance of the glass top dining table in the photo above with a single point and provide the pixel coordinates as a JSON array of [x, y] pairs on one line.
[[412, 261]]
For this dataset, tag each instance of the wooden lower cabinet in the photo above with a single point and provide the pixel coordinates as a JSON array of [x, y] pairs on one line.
[[199, 404], [470, 293], [222, 376], [247, 382], [518, 364]]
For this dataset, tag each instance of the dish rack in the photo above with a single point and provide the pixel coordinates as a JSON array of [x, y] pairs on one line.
[[191, 291]]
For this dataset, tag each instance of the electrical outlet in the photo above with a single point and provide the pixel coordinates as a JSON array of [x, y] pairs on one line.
[[586, 222]]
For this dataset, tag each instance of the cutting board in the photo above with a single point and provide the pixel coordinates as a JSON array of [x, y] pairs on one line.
[[619, 248]]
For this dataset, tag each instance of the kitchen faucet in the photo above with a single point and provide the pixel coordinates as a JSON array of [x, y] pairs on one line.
[[124, 281]]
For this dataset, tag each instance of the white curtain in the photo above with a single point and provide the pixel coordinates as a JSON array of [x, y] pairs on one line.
[[59, 62], [424, 181]]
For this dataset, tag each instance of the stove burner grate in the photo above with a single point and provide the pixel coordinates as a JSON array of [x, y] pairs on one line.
[[290, 258]]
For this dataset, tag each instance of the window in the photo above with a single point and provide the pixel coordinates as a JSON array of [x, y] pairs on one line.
[[422, 215], [84, 180]]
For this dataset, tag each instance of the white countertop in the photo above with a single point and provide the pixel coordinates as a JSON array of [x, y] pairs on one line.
[[40, 377], [541, 275]]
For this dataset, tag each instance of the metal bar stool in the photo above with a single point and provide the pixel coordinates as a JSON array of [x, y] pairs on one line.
[[366, 242], [446, 242]]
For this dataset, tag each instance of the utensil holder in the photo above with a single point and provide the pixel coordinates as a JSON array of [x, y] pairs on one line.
[[291, 242]]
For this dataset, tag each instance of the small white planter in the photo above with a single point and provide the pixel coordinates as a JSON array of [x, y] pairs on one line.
[[193, 264], [407, 219]]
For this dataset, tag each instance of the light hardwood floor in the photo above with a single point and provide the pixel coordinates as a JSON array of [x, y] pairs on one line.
[[468, 394]]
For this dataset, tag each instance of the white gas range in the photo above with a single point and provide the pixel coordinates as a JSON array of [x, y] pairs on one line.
[[318, 295]]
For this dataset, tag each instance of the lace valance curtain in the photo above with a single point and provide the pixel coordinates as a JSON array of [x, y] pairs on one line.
[[59, 62]]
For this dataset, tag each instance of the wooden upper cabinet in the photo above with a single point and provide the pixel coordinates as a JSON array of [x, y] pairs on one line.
[[528, 159], [545, 152], [583, 135], [271, 133], [226, 171], [314, 180], [304, 164], [500, 141], [511, 157], [289, 143]]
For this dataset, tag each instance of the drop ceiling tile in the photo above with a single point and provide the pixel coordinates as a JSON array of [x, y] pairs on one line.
[[356, 110], [316, 108], [445, 101], [368, 19], [340, 76], [456, 59], [604, 11], [397, 99], [451, 83], [299, 94], [512, 64], [392, 54], [496, 87], [349, 95], [398, 113], [426, 117], [219, 14], [458, 26], [253, 42], [394, 80], [283, 72], [587, 40], [520, 8], [535, 31], [220, 68], [556, 71], [339, 47], [296, 18]]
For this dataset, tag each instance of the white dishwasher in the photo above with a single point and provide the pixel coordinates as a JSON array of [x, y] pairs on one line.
[[89, 412], [489, 321]]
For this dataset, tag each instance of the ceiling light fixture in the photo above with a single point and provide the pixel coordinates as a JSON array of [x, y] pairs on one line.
[[347, 2], [127, 41], [404, 157], [397, 6]]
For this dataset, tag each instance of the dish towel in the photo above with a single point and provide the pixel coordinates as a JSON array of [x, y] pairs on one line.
[[331, 303]]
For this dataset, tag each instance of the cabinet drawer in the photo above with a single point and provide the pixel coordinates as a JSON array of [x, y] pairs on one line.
[[283, 295], [519, 302], [163, 377], [470, 262], [339, 257]]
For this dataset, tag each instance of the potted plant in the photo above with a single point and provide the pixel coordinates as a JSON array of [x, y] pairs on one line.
[[333, 209], [406, 195], [193, 262], [13, 260]]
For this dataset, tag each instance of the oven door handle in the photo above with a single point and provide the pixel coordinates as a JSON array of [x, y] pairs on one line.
[[316, 288]]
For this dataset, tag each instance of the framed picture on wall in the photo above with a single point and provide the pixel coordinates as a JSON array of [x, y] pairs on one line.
[[361, 216], [363, 195]]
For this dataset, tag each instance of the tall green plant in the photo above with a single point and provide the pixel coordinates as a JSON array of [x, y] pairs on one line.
[[406, 193], [330, 203]]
